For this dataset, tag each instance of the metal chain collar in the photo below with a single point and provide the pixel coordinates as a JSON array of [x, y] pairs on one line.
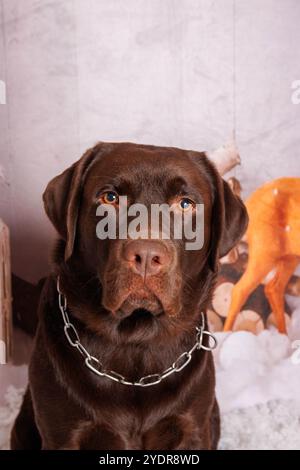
[[96, 366]]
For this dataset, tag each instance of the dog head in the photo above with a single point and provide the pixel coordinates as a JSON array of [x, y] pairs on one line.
[[141, 283]]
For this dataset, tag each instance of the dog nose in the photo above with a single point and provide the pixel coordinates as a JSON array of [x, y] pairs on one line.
[[147, 257]]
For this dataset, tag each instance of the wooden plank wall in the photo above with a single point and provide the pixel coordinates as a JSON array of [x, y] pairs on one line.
[[5, 296]]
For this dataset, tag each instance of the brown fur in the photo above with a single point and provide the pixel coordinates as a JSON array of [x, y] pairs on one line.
[[66, 406]]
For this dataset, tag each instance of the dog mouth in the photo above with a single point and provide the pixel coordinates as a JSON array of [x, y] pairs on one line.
[[139, 306], [138, 298]]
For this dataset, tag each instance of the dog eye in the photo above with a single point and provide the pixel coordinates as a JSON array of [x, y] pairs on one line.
[[110, 197], [186, 204]]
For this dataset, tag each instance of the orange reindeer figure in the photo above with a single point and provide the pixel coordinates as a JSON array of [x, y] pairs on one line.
[[273, 237]]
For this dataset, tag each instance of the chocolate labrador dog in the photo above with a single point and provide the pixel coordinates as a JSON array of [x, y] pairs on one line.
[[122, 356]]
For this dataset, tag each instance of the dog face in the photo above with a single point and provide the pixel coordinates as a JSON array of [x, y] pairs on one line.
[[141, 284]]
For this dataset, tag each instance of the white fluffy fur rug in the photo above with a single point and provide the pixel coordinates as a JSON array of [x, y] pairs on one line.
[[8, 412], [274, 425]]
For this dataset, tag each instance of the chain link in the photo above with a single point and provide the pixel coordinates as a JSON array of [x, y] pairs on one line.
[[97, 368], [70, 330]]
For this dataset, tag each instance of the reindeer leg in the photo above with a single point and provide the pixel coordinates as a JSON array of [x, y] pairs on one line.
[[252, 277], [275, 289]]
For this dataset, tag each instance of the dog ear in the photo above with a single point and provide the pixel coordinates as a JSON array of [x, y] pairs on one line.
[[63, 195], [228, 222]]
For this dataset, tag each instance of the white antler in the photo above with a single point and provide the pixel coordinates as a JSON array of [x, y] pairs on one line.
[[225, 157]]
